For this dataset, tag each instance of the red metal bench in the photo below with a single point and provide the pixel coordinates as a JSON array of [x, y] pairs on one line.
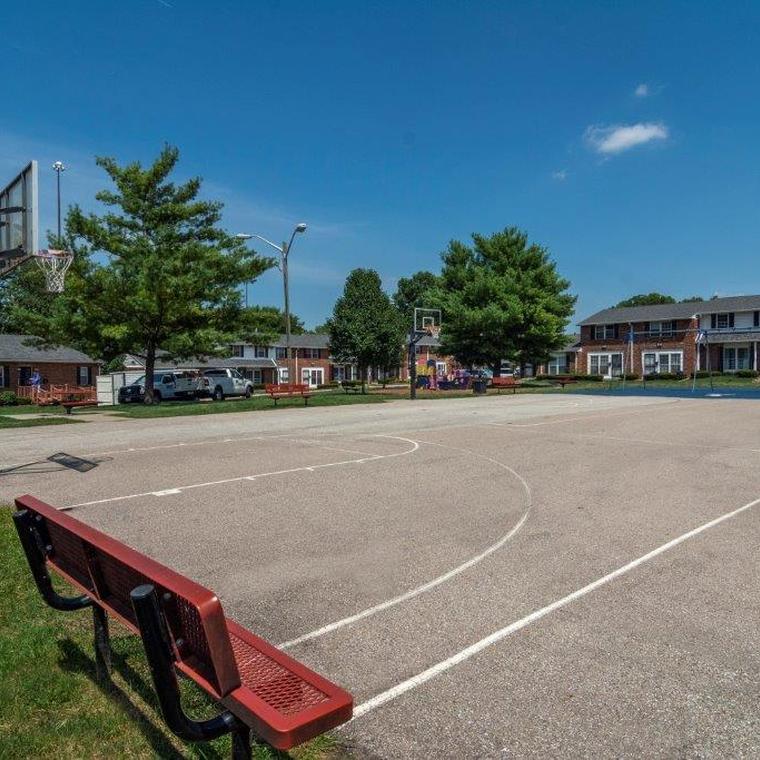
[[506, 381], [182, 626], [562, 380], [288, 390]]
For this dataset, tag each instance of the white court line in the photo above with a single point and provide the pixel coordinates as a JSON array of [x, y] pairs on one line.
[[435, 581], [497, 636], [307, 468]]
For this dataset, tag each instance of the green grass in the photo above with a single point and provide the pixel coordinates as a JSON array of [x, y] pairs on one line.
[[254, 404], [51, 704], [7, 422], [31, 409]]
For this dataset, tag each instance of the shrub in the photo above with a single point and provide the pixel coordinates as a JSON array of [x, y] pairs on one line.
[[666, 376], [746, 373], [702, 374], [631, 376], [8, 398], [23, 401]]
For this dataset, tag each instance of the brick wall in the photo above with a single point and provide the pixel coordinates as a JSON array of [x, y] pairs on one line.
[[52, 374], [682, 340]]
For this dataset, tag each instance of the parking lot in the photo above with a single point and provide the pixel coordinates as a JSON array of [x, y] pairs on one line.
[[524, 575]]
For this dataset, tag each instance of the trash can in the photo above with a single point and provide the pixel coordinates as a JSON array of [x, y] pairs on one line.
[[479, 386]]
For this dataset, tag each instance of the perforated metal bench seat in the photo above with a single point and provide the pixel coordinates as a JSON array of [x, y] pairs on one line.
[[282, 701]]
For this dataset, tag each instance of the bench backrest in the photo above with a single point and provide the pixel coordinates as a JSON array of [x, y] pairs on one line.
[[504, 380], [287, 388], [107, 571]]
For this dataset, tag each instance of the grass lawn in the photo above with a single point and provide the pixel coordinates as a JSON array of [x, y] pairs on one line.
[[7, 422], [51, 705], [256, 403]]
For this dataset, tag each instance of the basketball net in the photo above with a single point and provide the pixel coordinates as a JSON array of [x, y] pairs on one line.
[[434, 331], [54, 265]]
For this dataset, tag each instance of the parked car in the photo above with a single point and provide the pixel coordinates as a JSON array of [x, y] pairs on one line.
[[220, 383], [167, 385]]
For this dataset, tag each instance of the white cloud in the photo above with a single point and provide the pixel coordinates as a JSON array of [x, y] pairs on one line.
[[642, 91], [620, 137], [560, 175]]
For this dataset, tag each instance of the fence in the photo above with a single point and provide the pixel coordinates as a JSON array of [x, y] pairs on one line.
[[45, 395]]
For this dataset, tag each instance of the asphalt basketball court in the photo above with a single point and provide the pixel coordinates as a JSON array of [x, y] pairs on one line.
[[510, 576]]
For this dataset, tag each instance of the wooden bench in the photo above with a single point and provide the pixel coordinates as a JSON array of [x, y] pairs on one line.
[[288, 390], [507, 381], [562, 380], [183, 628]]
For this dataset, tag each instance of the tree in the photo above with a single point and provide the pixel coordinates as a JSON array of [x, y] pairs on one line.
[[415, 292], [645, 299], [323, 329], [502, 298], [171, 278], [262, 325], [692, 299], [365, 327]]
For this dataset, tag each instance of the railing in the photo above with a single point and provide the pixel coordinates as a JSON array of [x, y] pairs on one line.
[[44, 395]]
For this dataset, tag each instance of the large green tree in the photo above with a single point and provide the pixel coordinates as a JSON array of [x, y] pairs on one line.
[[415, 292], [502, 298], [263, 324], [171, 275], [365, 327], [645, 299]]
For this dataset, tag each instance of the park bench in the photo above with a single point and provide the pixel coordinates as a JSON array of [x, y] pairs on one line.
[[183, 628], [288, 390], [506, 381], [562, 380], [69, 405]]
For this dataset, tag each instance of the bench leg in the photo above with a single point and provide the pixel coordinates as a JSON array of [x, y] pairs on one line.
[[102, 644], [33, 537], [155, 638], [241, 744]]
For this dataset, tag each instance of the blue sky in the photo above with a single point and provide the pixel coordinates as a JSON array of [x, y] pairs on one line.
[[624, 137]]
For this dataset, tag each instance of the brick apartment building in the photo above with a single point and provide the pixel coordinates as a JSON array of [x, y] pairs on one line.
[[56, 366], [722, 335]]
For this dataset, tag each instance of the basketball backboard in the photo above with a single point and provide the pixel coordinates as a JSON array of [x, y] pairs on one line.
[[19, 236], [427, 320]]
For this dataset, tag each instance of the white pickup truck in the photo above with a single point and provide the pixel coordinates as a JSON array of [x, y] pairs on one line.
[[219, 383]]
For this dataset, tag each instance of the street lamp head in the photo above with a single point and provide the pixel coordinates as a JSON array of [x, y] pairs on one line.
[[59, 167], [301, 227], [243, 236]]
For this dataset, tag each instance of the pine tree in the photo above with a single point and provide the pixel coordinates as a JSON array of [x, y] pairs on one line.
[[502, 298], [365, 327]]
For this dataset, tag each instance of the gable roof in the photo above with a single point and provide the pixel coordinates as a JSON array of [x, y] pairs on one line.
[[14, 348], [673, 310]]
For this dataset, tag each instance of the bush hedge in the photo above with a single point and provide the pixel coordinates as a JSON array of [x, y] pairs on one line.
[[746, 373], [8, 398]]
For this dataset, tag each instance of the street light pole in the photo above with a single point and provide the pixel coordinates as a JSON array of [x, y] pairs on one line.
[[284, 250], [59, 167]]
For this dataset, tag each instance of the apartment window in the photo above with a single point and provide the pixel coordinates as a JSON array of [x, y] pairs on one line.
[[4, 379], [311, 353], [260, 352], [604, 332], [722, 321], [558, 364], [284, 374], [238, 350], [662, 329], [607, 365], [281, 352], [84, 376], [24, 373], [257, 377], [735, 357], [659, 362], [756, 319]]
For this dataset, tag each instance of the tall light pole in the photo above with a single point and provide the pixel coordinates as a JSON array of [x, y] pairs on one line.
[[284, 250], [59, 167]]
